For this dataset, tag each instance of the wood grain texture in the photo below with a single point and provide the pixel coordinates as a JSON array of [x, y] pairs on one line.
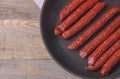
[[19, 31], [20, 39], [32, 69], [19, 9]]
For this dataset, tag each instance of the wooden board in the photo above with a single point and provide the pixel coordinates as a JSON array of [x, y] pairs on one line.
[[19, 9], [32, 69], [19, 31], [20, 39]]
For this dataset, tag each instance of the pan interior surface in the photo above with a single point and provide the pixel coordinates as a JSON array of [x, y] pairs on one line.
[[57, 47]]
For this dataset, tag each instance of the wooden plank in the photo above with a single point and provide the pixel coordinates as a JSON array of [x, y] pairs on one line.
[[19, 9], [20, 39], [19, 31], [32, 69]]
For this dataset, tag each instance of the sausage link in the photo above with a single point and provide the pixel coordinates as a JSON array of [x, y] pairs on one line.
[[70, 8], [94, 28], [83, 21], [109, 65], [100, 38], [105, 57], [103, 47], [74, 16]]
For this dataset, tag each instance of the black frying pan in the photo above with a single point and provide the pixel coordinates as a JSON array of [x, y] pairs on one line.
[[57, 47]]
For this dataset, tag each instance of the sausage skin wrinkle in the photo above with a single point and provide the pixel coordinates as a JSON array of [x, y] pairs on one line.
[[103, 47], [105, 57], [94, 28], [110, 64], [70, 8], [63, 26], [87, 50], [83, 21]]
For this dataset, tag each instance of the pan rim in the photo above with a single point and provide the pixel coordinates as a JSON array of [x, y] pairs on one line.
[[53, 57]]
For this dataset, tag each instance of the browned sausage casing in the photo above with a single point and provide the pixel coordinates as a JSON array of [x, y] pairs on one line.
[[74, 16], [87, 50], [70, 8], [110, 64], [83, 21], [94, 28], [103, 47], [105, 57]]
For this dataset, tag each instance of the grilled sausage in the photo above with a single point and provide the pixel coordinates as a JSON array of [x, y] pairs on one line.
[[105, 57], [87, 50], [74, 16], [83, 21], [103, 47], [70, 8], [110, 64], [94, 28]]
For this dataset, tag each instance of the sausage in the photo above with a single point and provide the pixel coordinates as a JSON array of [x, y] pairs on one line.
[[103, 47], [70, 8], [94, 28], [87, 50], [83, 21], [109, 65], [74, 16], [105, 57]]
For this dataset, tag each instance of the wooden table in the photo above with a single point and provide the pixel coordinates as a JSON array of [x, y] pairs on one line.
[[22, 53]]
